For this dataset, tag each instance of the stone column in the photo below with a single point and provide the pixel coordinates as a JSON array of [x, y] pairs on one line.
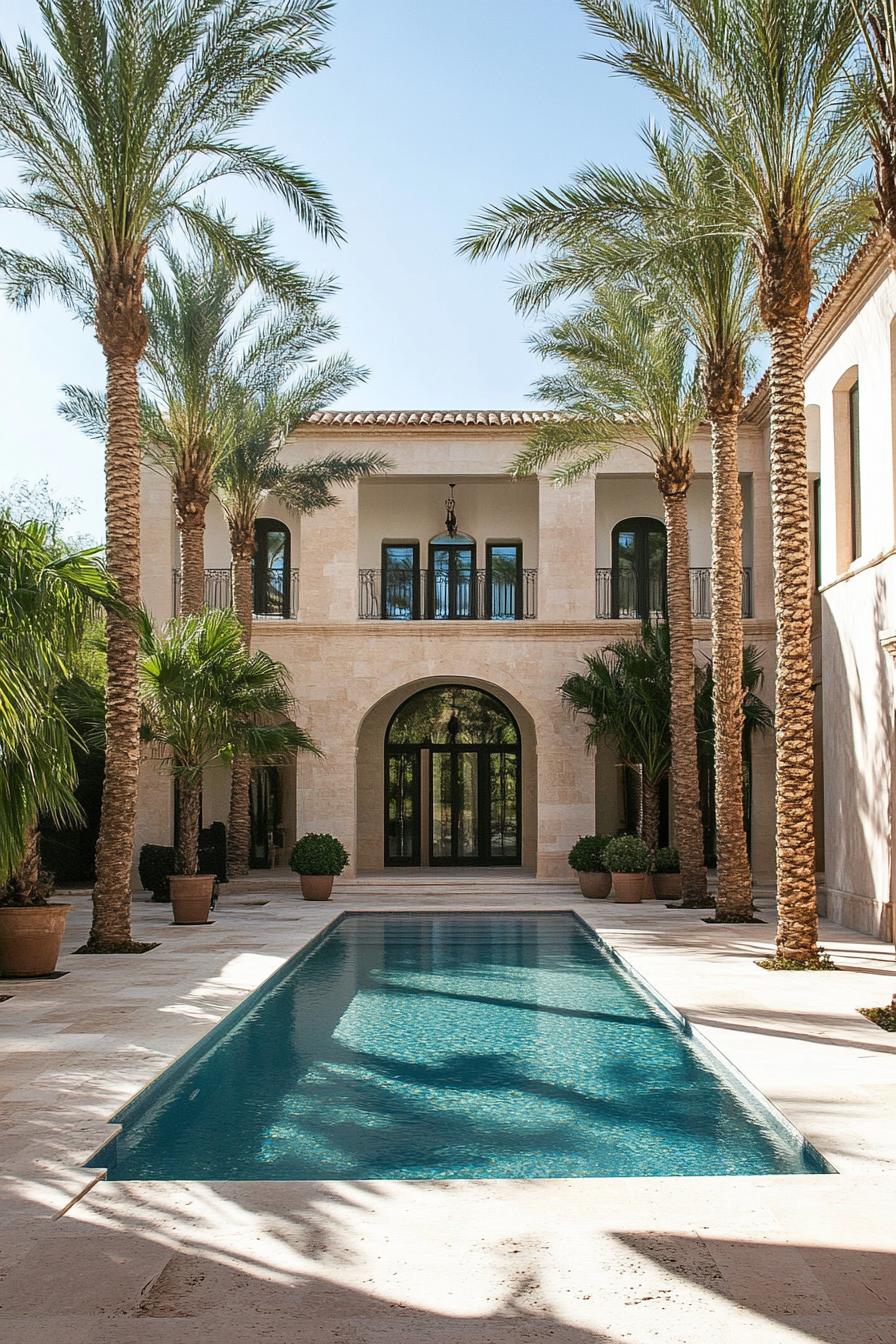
[[328, 563], [158, 551], [566, 551]]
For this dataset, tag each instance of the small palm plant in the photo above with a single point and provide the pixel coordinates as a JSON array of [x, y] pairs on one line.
[[629, 380], [624, 696], [48, 601], [206, 698], [117, 123]]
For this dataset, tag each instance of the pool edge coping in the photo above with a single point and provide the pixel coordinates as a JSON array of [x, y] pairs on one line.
[[736, 1079]]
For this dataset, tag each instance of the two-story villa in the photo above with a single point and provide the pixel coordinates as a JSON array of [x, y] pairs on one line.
[[427, 623]]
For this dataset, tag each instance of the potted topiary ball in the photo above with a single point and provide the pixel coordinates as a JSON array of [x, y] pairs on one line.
[[317, 858], [667, 874], [628, 859], [587, 859]]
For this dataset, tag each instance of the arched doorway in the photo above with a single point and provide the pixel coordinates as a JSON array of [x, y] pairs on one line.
[[452, 780]]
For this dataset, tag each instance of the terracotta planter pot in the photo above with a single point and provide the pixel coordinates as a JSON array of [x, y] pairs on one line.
[[596, 886], [191, 897], [667, 886], [628, 888], [316, 886], [30, 936]]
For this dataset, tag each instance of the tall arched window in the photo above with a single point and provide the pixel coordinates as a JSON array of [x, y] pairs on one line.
[[639, 569], [271, 568]]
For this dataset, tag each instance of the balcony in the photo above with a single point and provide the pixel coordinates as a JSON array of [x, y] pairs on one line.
[[278, 601], [617, 596], [420, 594]]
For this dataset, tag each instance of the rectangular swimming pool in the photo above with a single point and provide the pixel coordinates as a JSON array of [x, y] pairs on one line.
[[418, 1046]]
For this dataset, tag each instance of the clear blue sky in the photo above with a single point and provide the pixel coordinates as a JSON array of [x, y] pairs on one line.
[[429, 111]]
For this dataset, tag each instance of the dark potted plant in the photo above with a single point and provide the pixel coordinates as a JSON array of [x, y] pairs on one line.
[[667, 874], [47, 599], [628, 859], [586, 858], [317, 858], [206, 697]]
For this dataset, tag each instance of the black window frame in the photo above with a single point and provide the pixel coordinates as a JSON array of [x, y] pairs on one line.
[[855, 471], [263, 528], [642, 527], [453, 548], [490, 547], [414, 547]]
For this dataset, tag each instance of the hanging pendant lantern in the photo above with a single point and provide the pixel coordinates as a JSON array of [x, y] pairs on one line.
[[450, 515]]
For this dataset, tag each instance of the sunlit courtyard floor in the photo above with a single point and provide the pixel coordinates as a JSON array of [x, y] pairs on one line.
[[660, 1261]]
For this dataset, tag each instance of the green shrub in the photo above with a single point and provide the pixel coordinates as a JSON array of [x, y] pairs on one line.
[[587, 854], [666, 860], [155, 866], [627, 854], [318, 855]]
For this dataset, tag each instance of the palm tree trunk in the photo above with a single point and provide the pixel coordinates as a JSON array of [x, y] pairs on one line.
[[797, 936], [734, 900], [238, 822], [188, 828], [120, 335], [191, 525], [685, 776], [24, 882], [650, 811]]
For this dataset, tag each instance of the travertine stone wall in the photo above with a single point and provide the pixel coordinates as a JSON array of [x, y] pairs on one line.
[[349, 675]]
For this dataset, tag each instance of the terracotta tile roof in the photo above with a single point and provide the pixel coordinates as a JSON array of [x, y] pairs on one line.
[[428, 419]]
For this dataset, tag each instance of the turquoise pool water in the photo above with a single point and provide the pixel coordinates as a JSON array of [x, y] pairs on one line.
[[440, 1046]]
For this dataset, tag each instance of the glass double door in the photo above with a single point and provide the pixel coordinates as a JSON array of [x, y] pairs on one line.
[[473, 805]]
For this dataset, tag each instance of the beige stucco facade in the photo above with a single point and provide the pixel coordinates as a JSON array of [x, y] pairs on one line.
[[851, 342], [349, 674]]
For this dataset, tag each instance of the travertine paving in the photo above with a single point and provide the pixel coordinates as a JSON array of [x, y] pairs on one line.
[[674, 1261]]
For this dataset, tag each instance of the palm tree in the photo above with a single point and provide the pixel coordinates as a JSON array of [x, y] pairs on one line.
[[625, 695], [207, 324], [762, 84], [876, 102], [116, 134], [204, 697], [628, 380], [606, 225], [267, 404], [48, 599]]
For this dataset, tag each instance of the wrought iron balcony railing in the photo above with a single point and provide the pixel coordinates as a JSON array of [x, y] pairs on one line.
[[420, 594], [628, 597], [280, 599]]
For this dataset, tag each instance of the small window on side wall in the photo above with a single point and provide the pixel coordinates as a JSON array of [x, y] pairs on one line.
[[855, 473]]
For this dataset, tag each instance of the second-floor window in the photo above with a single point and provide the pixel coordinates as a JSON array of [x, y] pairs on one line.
[[401, 580], [270, 576], [503, 580], [639, 569], [855, 473], [452, 578]]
